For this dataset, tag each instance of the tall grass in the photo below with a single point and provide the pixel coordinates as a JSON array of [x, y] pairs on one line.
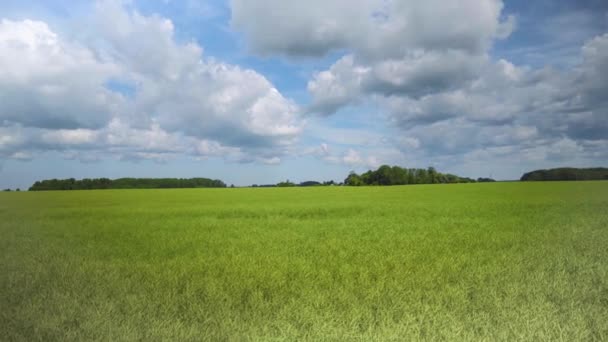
[[507, 261]]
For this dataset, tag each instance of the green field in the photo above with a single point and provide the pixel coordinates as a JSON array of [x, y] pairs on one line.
[[505, 261]]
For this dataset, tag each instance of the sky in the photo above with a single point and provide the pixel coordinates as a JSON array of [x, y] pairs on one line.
[[261, 91]]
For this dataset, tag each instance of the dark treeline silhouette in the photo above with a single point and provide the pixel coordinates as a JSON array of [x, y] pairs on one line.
[[395, 175], [285, 184], [126, 183], [384, 175], [288, 184], [315, 183], [567, 174]]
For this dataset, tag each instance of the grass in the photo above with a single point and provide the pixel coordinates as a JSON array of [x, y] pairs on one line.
[[508, 261]]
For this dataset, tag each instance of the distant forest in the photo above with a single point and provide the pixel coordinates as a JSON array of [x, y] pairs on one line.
[[567, 174], [384, 175], [126, 183], [390, 175], [395, 175]]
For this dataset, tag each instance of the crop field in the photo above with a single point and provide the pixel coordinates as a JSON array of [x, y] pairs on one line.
[[504, 261]]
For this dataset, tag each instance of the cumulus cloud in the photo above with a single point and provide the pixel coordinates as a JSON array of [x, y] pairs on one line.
[[127, 87], [451, 98], [187, 93], [47, 82], [124, 142], [320, 26], [595, 54], [338, 86], [353, 158], [416, 75], [371, 27], [511, 116], [407, 49], [514, 108], [59, 94]]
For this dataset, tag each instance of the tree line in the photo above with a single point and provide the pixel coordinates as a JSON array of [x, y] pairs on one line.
[[288, 184], [395, 175], [389, 175], [567, 174], [125, 183], [384, 175]]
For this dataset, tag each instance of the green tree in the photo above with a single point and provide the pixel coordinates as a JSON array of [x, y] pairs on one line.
[[395, 175], [432, 175], [285, 184], [353, 179]]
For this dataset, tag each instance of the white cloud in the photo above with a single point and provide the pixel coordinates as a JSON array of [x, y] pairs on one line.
[[319, 26], [59, 93], [352, 157], [499, 106], [47, 82], [416, 75], [424, 69], [208, 148], [392, 56], [120, 136], [371, 27], [338, 86], [79, 136], [21, 156], [185, 92], [595, 67], [445, 95]]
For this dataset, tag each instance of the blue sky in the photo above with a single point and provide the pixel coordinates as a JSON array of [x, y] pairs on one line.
[[255, 92]]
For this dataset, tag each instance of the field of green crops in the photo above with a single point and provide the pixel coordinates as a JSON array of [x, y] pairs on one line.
[[505, 261]]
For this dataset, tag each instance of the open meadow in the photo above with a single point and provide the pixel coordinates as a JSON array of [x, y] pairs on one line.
[[504, 261]]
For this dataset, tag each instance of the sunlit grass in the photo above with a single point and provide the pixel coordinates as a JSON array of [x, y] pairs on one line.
[[508, 261]]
